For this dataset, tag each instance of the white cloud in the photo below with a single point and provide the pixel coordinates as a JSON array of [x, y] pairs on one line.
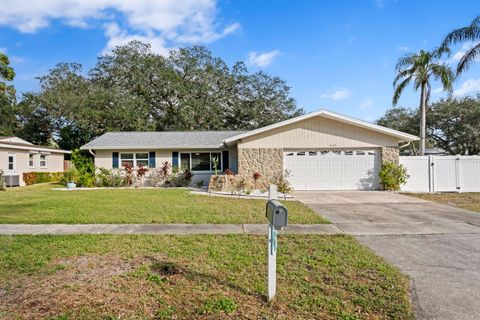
[[467, 87], [3, 50], [403, 48], [336, 94], [262, 59], [366, 103], [160, 22], [437, 90]]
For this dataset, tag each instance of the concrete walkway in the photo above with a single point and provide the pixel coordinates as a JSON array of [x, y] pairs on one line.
[[65, 229], [437, 245]]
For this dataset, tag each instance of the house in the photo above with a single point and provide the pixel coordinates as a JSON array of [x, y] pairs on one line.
[[18, 156], [321, 150]]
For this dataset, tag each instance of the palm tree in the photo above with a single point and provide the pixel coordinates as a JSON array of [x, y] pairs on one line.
[[421, 67], [468, 33]]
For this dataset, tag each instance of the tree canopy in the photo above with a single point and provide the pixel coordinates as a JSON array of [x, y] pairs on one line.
[[453, 124], [132, 88]]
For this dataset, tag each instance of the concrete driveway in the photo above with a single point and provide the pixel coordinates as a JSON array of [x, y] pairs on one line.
[[437, 245]]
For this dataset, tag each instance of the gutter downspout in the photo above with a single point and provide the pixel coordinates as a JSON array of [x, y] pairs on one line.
[[91, 152]]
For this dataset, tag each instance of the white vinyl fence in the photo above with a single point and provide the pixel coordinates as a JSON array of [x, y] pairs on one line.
[[442, 173]]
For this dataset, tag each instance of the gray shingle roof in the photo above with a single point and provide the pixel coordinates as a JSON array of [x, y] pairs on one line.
[[161, 140]]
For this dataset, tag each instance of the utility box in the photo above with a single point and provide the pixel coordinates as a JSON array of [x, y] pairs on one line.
[[276, 214]]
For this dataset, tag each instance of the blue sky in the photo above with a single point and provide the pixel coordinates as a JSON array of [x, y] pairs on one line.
[[338, 55]]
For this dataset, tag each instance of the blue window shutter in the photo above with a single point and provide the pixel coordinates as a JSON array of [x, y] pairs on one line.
[[115, 160], [225, 160], [151, 159], [175, 159]]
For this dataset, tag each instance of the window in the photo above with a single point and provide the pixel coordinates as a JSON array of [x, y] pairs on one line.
[[360, 153], [134, 159], [184, 161], [349, 153], [141, 159], [289, 154], [312, 153], [11, 162], [324, 152], [200, 161], [43, 160], [301, 153], [31, 163], [337, 152]]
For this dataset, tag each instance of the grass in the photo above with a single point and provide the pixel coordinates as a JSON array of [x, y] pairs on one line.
[[195, 277], [40, 204], [469, 201]]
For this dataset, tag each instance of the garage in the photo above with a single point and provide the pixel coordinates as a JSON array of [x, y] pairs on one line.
[[332, 169]]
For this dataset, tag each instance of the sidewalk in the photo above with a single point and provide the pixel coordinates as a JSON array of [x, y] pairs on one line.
[[65, 229]]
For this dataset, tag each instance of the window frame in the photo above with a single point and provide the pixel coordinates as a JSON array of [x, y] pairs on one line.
[[31, 160], [220, 164], [13, 163], [134, 158], [44, 159]]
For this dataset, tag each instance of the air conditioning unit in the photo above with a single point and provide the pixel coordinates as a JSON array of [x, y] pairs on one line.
[[12, 181]]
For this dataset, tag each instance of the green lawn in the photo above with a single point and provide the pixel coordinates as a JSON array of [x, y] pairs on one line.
[[195, 277], [469, 201], [39, 204]]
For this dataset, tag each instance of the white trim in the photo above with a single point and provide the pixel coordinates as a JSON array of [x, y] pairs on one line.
[[33, 160], [14, 162], [200, 148], [40, 161], [210, 162], [134, 159], [329, 115], [32, 148]]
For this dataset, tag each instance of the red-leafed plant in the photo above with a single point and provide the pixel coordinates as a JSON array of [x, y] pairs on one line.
[[165, 168], [141, 171], [128, 167], [256, 175]]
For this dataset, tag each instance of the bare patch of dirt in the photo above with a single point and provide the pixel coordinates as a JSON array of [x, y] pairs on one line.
[[99, 287]]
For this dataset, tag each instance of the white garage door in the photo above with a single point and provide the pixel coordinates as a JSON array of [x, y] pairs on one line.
[[332, 169]]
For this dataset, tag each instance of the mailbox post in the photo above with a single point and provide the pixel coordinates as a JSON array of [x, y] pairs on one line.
[[277, 216]]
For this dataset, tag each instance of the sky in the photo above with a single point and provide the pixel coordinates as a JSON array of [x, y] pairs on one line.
[[336, 55]]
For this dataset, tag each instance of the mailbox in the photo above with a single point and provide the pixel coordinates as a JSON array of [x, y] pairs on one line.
[[277, 214]]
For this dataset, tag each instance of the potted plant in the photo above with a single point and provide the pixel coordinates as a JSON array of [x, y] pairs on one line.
[[71, 177]]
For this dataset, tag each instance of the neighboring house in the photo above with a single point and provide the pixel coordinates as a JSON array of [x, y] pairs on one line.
[[18, 156], [322, 150]]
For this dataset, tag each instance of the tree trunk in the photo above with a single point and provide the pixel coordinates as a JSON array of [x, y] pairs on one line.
[[423, 120]]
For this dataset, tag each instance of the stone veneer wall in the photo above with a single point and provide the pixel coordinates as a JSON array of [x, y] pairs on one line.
[[390, 154], [267, 161]]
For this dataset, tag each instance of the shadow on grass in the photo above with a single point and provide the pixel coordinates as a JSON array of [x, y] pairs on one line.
[[168, 268]]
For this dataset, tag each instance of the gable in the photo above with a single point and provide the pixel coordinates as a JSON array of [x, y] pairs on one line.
[[319, 132]]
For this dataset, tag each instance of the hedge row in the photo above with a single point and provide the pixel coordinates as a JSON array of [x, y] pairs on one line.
[[41, 177]]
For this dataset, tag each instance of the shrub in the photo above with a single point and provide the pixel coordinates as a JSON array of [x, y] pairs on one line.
[[182, 179], [42, 177], [128, 173], [71, 176], [141, 171], [109, 178], [392, 176], [3, 184], [85, 167], [283, 185]]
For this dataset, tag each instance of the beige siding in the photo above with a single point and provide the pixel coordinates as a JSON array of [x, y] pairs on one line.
[[54, 162], [318, 132]]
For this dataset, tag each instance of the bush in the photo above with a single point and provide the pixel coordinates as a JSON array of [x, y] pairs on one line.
[[3, 184], [109, 178], [392, 176], [85, 167], [283, 185], [70, 176], [42, 177]]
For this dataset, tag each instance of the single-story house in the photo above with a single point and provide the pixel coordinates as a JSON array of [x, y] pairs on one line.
[[18, 156], [321, 150]]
